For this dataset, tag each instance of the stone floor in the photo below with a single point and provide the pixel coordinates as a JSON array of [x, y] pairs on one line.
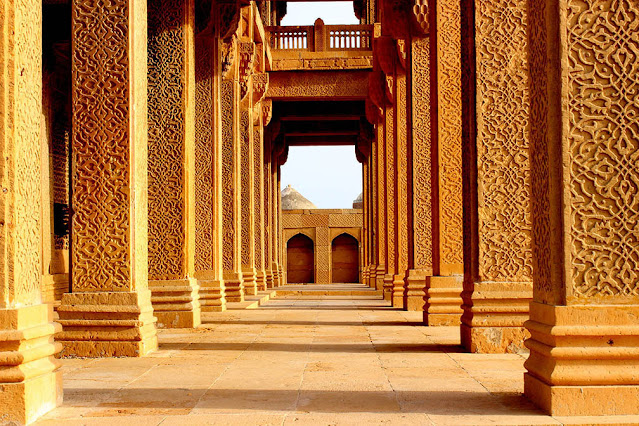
[[323, 360]]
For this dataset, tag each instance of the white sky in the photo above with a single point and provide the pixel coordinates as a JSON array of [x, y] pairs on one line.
[[330, 177]]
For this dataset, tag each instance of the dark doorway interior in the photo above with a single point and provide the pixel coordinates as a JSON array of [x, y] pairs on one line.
[[300, 260], [345, 259]]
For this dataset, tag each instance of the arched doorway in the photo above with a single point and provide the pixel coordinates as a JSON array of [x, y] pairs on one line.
[[300, 260], [345, 259]]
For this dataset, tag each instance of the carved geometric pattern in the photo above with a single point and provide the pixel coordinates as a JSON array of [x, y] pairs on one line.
[[228, 178], [391, 175], [258, 183], [381, 197], [502, 142], [166, 118], [20, 112], [603, 78], [204, 149], [421, 154], [450, 164], [246, 193], [539, 161], [102, 194], [402, 177]]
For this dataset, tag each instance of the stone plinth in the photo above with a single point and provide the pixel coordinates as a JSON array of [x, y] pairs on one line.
[[494, 316], [234, 287], [30, 380], [104, 324], [249, 276], [398, 291], [176, 303], [212, 295], [583, 359], [388, 287], [415, 290], [443, 301]]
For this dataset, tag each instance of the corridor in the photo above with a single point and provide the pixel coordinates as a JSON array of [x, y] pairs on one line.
[[299, 359]]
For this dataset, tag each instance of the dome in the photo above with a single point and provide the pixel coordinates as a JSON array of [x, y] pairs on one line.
[[358, 203], [293, 200]]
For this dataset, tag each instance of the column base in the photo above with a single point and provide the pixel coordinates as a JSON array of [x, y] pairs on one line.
[[234, 286], [372, 276], [494, 316], [276, 275], [30, 380], [398, 291], [249, 276], [176, 303], [260, 278], [443, 301], [379, 277], [364, 272], [269, 279], [416, 290], [106, 324], [282, 275], [583, 359], [388, 287], [212, 295]]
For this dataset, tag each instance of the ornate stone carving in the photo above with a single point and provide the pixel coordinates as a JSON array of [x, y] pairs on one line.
[[402, 52], [421, 155], [503, 168], [420, 18], [227, 54], [603, 76], [267, 112], [260, 86], [246, 53], [167, 89], [228, 179]]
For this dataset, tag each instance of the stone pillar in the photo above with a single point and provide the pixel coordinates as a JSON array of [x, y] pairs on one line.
[[171, 118], [420, 200], [364, 265], [208, 168], [109, 312], [498, 276], [280, 229], [443, 288], [268, 211], [401, 182], [372, 197], [246, 53], [258, 182], [275, 215], [30, 379], [381, 208], [584, 149], [231, 230], [390, 293]]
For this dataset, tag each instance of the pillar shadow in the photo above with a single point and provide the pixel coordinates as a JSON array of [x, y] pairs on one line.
[[324, 347]]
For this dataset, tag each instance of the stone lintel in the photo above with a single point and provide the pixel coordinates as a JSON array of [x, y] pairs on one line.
[[105, 324], [30, 380], [494, 316], [317, 85], [176, 303], [583, 359]]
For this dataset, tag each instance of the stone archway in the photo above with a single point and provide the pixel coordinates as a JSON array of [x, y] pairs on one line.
[[345, 259], [300, 263]]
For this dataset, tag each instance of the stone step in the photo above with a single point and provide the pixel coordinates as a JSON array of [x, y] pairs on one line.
[[310, 290], [251, 302]]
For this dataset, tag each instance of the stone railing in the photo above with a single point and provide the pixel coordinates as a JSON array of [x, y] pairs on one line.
[[322, 38]]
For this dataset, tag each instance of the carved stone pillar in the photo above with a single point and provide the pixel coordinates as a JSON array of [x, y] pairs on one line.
[[109, 312], [443, 288], [390, 293], [584, 149], [401, 168], [268, 211], [171, 118], [30, 379], [280, 230], [498, 276], [231, 229], [247, 208], [421, 262], [364, 265], [275, 193], [372, 197], [381, 208], [208, 169], [258, 185]]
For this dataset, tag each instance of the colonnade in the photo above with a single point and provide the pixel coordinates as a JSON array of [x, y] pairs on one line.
[[500, 183]]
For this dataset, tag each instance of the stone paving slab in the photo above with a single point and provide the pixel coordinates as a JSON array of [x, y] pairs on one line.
[[294, 361]]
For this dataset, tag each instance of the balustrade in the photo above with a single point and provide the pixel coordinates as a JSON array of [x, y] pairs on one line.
[[320, 37]]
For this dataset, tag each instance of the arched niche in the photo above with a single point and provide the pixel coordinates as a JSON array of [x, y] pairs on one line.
[[345, 259], [300, 260]]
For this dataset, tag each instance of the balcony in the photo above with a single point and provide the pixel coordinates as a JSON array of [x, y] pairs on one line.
[[321, 47]]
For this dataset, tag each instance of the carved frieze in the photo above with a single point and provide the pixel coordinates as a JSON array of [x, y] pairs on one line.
[[260, 86], [267, 111]]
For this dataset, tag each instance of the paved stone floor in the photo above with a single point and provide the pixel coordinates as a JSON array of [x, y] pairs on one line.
[[325, 360]]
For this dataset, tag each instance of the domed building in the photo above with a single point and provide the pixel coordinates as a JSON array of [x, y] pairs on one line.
[[358, 203], [293, 200]]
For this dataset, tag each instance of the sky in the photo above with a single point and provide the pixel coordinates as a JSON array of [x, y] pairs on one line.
[[329, 176]]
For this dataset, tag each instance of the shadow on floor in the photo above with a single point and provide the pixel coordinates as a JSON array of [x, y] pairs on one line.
[[322, 347], [130, 400], [318, 323]]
